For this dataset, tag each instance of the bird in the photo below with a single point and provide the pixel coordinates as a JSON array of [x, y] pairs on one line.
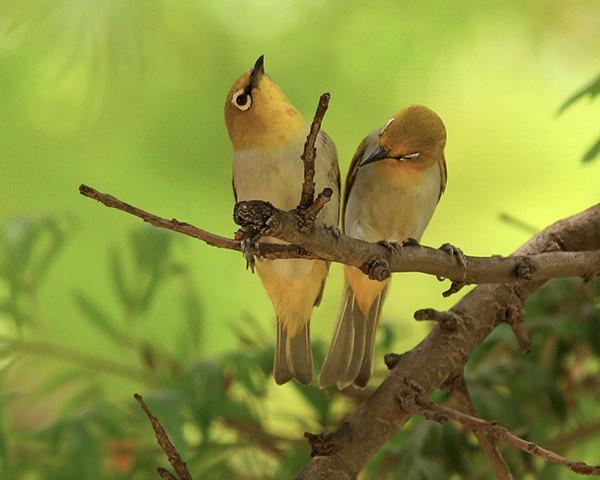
[[267, 134], [395, 181]]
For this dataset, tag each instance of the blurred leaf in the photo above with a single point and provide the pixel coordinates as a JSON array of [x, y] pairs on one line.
[[151, 249], [591, 89], [191, 336], [87, 396], [592, 152], [386, 336], [60, 380], [246, 370], [591, 328], [292, 461], [28, 248], [319, 400], [97, 317], [121, 288], [453, 450]]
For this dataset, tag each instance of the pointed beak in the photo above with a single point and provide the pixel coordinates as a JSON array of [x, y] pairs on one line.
[[377, 154], [258, 70]]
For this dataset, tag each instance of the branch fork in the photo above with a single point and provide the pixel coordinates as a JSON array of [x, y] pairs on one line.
[[568, 248]]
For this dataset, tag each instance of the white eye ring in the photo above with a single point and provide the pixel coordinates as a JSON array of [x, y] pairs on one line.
[[244, 106], [387, 125], [412, 155]]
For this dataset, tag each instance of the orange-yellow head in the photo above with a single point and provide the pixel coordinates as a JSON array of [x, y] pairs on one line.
[[258, 114], [415, 135]]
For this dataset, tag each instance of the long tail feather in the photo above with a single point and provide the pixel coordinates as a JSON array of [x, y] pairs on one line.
[[299, 355], [366, 369], [359, 347], [281, 371], [339, 355]]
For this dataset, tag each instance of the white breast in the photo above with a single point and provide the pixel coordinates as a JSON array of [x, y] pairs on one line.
[[393, 207], [276, 176]]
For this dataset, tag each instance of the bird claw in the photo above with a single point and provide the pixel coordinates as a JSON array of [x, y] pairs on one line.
[[393, 248], [247, 247], [335, 231], [455, 252], [410, 242]]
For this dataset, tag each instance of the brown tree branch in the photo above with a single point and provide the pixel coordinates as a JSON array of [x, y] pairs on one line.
[[568, 248], [309, 154], [265, 250], [378, 261], [459, 391], [441, 355], [165, 443], [482, 427], [320, 242]]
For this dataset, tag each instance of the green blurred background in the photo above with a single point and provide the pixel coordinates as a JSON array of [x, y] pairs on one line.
[[127, 96]]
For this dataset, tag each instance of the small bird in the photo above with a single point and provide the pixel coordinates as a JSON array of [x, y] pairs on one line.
[[268, 135], [395, 181]]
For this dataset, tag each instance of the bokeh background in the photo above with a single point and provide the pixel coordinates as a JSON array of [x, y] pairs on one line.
[[127, 97]]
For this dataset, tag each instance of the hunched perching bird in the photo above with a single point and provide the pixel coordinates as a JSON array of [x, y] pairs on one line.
[[268, 135], [395, 181]]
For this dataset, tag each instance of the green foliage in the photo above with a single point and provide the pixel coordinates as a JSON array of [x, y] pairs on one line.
[[28, 248], [213, 408], [128, 96], [590, 90]]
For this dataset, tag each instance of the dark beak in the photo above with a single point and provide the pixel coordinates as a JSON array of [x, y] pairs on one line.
[[377, 154], [258, 70]]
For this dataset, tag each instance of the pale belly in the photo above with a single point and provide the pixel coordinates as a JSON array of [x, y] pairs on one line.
[[276, 176], [390, 203]]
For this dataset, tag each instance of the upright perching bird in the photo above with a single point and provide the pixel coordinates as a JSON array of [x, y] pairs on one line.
[[395, 181], [268, 135]]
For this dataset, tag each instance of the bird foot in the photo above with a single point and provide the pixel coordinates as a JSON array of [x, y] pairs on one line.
[[377, 268], [410, 242], [455, 252], [248, 249], [393, 248], [335, 231]]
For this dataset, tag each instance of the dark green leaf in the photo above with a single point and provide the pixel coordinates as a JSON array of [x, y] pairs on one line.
[[593, 152], [117, 270], [592, 89], [97, 317]]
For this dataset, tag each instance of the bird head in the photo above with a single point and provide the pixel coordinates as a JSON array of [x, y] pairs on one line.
[[415, 135], [258, 114]]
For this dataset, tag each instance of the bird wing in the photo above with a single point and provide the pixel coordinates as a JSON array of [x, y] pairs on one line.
[[330, 152], [233, 187], [369, 142], [443, 175]]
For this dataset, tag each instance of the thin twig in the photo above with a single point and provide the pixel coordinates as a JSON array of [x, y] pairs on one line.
[[165, 443], [315, 207], [460, 392], [164, 473], [319, 242], [266, 250], [310, 152], [434, 411]]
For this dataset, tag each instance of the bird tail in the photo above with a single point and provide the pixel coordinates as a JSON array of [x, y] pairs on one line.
[[293, 356], [366, 369], [350, 356]]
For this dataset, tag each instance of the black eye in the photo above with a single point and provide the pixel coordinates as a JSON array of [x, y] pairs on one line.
[[242, 100]]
